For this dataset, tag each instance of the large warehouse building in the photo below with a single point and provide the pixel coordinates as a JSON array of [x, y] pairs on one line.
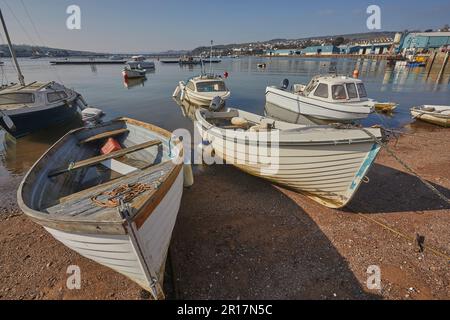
[[425, 41]]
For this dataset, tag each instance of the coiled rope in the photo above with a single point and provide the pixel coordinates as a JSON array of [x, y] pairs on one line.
[[125, 193]]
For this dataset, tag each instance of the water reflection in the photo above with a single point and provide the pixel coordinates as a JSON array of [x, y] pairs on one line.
[[151, 101], [188, 109], [18, 155], [131, 83]]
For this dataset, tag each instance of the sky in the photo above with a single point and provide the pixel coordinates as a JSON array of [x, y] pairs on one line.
[[116, 26]]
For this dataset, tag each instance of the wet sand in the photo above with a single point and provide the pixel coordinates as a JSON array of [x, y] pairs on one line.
[[239, 237]]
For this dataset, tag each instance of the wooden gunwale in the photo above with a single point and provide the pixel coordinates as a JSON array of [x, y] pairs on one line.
[[109, 227]]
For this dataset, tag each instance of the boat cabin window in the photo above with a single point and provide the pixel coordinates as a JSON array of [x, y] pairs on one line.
[[214, 86], [16, 98], [321, 91], [362, 90], [56, 96], [191, 86], [339, 92], [311, 86], [351, 90]]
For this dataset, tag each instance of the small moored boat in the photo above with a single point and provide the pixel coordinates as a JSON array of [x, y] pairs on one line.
[[29, 107], [439, 115], [133, 73], [326, 163], [37, 105], [111, 193], [202, 90], [140, 62]]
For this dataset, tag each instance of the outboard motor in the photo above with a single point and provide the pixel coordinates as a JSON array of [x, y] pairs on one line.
[[92, 116], [285, 84], [216, 104]]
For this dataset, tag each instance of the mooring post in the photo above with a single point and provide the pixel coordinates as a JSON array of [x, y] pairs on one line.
[[444, 64], [430, 63]]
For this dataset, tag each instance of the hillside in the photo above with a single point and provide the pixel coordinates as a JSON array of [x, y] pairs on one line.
[[295, 43], [29, 51]]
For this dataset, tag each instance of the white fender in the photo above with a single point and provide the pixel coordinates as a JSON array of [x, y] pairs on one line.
[[176, 92], [188, 176]]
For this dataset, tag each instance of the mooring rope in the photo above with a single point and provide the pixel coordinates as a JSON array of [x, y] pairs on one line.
[[407, 167], [437, 252], [125, 193]]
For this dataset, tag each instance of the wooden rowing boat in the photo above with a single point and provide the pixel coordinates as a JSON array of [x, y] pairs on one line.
[[326, 163], [118, 209], [438, 115]]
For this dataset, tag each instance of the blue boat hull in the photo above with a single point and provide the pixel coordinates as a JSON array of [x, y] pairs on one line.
[[27, 123]]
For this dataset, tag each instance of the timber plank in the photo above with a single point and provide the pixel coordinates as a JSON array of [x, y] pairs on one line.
[[99, 159], [104, 135]]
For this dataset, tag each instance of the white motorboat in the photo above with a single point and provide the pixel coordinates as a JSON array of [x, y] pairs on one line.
[[439, 115], [201, 90], [140, 62], [118, 207], [325, 99], [116, 58], [326, 163], [132, 73]]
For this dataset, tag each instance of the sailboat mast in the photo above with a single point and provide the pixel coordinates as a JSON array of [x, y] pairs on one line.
[[11, 49], [210, 58]]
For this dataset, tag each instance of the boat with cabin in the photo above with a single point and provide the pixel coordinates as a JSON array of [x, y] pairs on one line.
[[326, 163], [26, 108], [325, 99], [140, 62], [201, 90], [133, 73], [111, 192]]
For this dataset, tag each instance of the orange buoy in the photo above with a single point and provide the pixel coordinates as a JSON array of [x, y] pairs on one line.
[[356, 74]]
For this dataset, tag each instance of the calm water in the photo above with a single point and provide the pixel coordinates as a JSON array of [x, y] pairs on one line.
[[151, 101]]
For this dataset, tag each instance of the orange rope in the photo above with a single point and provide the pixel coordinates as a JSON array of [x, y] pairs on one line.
[[126, 193]]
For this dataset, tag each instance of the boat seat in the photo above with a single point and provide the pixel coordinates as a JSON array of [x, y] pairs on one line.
[[104, 135], [298, 88], [99, 159], [221, 115]]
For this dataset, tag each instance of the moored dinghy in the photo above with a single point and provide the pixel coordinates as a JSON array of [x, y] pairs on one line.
[[130, 73], [202, 90], [439, 115], [326, 163], [118, 208]]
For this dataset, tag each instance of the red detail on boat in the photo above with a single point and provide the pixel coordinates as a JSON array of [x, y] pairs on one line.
[[111, 146]]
